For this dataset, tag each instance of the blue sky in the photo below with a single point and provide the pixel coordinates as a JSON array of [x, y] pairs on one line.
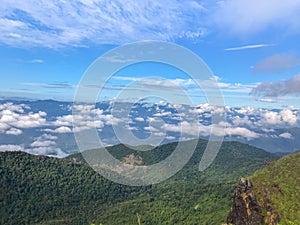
[[252, 47]]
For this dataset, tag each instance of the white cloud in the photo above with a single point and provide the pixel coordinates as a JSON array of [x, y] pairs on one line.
[[47, 150], [151, 129], [10, 148], [271, 118], [14, 131], [288, 117], [242, 18], [86, 117], [59, 23], [36, 61], [247, 47], [238, 121], [64, 120], [271, 100], [139, 119], [241, 131], [190, 129], [163, 114], [286, 135], [63, 130], [44, 140], [170, 138], [48, 137], [43, 143], [13, 118], [157, 83]]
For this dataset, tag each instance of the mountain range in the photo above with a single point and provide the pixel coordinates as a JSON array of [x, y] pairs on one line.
[[47, 190]]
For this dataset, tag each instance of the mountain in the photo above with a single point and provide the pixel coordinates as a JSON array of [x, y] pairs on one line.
[[45, 190], [278, 189], [270, 196], [245, 209]]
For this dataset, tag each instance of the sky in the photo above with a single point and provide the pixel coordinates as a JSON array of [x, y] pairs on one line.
[[252, 47]]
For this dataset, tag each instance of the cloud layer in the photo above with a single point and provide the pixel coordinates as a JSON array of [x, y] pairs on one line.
[[22, 129], [79, 23], [60, 23], [13, 118]]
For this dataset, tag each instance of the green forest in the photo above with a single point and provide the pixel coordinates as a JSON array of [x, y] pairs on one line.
[[45, 190]]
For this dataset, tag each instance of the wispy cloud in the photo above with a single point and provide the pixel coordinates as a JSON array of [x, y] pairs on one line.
[[187, 84], [55, 85], [249, 17], [36, 61], [247, 47], [71, 23], [277, 63]]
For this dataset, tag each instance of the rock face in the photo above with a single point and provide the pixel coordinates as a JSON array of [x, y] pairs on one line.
[[245, 209], [272, 217]]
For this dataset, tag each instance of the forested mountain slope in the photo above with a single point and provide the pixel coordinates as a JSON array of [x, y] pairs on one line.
[[44, 190]]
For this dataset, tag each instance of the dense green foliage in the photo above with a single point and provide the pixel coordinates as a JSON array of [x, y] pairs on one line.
[[38, 188], [282, 180], [43, 190], [190, 197]]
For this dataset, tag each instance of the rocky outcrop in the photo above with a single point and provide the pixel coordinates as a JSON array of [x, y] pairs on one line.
[[133, 160], [245, 209], [272, 217]]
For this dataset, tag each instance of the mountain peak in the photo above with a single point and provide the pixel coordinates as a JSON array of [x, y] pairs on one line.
[[245, 209]]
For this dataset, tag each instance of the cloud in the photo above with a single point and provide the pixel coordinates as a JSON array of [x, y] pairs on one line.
[[286, 135], [13, 118], [247, 47], [277, 63], [47, 150], [10, 148], [280, 88], [285, 116], [266, 100], [45, 145], [241, 131], [63, 130], [44, 140], [170, 138], [139, 119], [288, 116], [163, 114], [86, 117], [36, 61], [14, 131], [243, 18], [177, 88], [56, 85], [190, 129], [156, 82], [48, 137], [63, 23]]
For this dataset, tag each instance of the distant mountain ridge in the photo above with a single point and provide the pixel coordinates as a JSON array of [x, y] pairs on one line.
[[51, 122]]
